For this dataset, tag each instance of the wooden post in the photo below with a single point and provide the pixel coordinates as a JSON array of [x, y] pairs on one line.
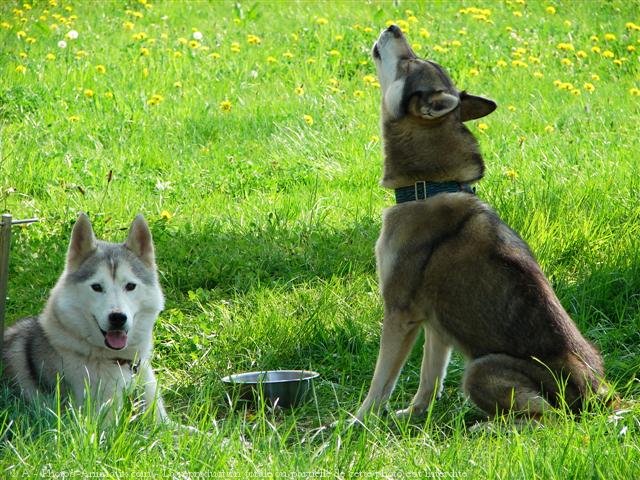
[[5, 241]]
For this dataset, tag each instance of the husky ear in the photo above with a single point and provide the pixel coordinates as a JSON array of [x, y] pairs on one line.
[[433, 105], [472, 106], [140, 241], [83, 242]]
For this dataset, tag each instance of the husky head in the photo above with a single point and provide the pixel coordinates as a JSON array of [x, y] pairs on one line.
[[108, 294], [422, 115]]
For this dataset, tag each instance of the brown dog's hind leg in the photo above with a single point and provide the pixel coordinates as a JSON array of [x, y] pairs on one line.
[[499, 383]]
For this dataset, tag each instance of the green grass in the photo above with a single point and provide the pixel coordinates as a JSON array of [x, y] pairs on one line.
[[265, 225]]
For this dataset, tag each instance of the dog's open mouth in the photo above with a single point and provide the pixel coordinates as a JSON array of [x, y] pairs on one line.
[[115, 339]]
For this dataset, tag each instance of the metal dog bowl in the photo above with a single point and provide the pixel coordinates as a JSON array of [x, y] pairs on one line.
[[285, 388]]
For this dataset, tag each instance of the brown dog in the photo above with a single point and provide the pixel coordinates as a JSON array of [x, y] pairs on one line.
[[447, 263]]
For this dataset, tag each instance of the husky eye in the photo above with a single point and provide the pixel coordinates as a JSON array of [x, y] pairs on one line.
[[129, 287], [96, 287]]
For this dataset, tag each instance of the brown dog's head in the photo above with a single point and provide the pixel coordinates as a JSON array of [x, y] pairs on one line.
[[419, 87], [422, 114]]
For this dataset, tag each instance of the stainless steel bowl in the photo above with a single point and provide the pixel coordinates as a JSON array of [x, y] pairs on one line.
[[285, 388]]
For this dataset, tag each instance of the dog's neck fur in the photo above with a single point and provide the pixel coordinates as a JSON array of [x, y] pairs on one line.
[[418, 150]]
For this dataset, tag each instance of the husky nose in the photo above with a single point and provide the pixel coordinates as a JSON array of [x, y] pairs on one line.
[[395, 30], [117, 320]]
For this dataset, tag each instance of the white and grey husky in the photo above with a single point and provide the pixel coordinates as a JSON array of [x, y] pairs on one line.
[[95, 331]]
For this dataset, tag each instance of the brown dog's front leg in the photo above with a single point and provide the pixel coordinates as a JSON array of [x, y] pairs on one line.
[[398, 336]]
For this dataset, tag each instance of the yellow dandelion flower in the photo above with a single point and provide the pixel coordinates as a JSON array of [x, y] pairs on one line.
[[253, 40], [416, 47], [594, 38], [30, 40], [155, 99], [299, 90], [576, 92], [632, 26], [311, 61], [288, 55], [88, 93], [128, 25], [338, 38], [215, 55], [184, 41], [567, 23], [358, 94], [609, 37], [334, 53], [5, 25], [631, 48], [50, 57], [21, 69], [538, 74], [511, 174], [511, 108], [177, 54], [108, 95], [565, 46], [501, 63], [618, 62], [595, 77], [73, 118], [424, 33], [595, 49], [367, 29], [474, 72], [322, 21], [308, 119], [194, 44], [177, 84], [550, 10], [608, 54], [21, 34], [166, 215], [635, 91], [101, 69], [139, 36], [23, 55], [412, 19], [456, 43], [566, 62], [369, 79], [517, 13], [225, 106], [483, 127], [589, 87], [519, 63], [549, 129], [581, 54], [374, 138], [144, 51]]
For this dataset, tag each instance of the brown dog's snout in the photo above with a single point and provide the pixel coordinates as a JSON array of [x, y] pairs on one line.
[[395, 30]]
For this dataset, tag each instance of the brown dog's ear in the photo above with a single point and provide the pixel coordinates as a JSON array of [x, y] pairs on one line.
[[472, 106], [433, 105], [82, 244]]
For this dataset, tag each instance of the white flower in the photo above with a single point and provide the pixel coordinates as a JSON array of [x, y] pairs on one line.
[[62, 44], [197, 36], [72, 34]]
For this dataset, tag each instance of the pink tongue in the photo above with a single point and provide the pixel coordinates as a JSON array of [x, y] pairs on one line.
[[116, 339]]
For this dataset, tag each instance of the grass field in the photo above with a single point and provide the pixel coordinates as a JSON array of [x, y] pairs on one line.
[[247, 134]]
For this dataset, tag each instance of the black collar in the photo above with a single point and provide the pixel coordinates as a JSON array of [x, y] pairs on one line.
[[422, 190]]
